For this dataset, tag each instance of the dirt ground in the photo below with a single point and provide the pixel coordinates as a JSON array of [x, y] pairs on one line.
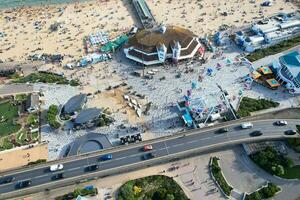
[[116, 103], [21, 156]]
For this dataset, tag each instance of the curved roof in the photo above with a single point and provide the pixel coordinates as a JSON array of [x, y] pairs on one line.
[[87, 115], [148, 39], [75, 103]]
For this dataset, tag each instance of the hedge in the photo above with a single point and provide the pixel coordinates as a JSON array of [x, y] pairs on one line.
[[216, 171]]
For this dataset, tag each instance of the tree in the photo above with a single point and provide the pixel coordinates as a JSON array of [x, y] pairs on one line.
[[279, 170], [288, 162], [32, 119], [170, 197], [137, 190]]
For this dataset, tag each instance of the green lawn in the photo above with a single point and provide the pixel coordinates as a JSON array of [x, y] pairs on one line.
[[10, 113], [292, 173]]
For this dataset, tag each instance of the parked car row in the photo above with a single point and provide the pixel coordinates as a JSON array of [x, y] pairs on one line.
[[131, 139]]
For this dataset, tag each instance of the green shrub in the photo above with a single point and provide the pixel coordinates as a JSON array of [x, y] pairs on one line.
[[46, 78], [51, 116], [153, 188], [37, 162], [216, 171], [264, 193], [271, 161], [249, 105], [282, 46]]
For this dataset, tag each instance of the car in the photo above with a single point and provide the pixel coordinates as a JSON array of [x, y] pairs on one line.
[[281, 123], [7, 179], [23, 184], [246, 125], [148, 147], [56, 167], [290, 132], [223, 130], [57, 176], [149, 156], [256, 133], [106, 157], [91, 168]]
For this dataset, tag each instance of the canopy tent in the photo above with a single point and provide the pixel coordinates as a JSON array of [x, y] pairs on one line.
[[273, 83], [111, 46], [255, 75], [265, 70]]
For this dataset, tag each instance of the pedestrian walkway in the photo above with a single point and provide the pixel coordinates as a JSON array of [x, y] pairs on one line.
[[236, 194]]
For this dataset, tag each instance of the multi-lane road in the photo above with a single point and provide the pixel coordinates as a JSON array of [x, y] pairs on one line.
[[129, 156]]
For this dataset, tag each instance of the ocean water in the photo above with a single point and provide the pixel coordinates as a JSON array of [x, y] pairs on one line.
[[20, 3]]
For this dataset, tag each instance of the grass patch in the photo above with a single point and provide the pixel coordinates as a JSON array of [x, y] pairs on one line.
[[51, 116], [6, 144], [35, 136], [21, 137], [264, 192], [275, 163], [294, 143], [277, 48], [151, 188], [249, 105], [7, 122], [292, 173], [46, 78], [216, 171]]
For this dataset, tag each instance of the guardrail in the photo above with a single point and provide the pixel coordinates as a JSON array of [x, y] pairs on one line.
[[129, 167], [124, 147]]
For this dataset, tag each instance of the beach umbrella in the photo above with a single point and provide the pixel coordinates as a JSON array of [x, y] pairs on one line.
[[187, 104], [186, 98], [209, 71], [228, 61], [194, 85], [189, 93]]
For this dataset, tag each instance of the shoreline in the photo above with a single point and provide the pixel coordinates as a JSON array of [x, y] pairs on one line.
[[40, 4]]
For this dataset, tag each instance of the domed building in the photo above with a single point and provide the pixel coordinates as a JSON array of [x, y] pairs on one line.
[[154, 46]]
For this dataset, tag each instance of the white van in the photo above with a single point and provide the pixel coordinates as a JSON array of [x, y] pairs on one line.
[[56, 167], [247, 125]]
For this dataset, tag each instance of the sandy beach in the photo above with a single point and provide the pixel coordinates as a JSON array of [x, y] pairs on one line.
[[21, 38], [205, 17]]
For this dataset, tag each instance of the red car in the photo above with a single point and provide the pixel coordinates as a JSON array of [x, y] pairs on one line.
[[148, 147]]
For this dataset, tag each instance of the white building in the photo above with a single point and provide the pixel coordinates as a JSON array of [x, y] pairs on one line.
[[288, 71], [268, 31], [154, 46]]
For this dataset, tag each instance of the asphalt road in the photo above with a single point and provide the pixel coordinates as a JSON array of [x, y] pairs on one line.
[[162, 148]]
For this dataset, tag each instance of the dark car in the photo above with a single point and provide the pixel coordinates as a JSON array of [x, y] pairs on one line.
[[256, 133], [57, 176], [7, 179], [290, 132], [149, 156], [106, 157], [23, 184], [92, 168], [223, 130], [280, 123]]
